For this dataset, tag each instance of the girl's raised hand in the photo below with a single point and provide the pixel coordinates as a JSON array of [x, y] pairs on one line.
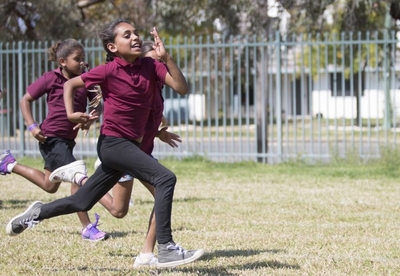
[[168, 137], [86, 126], [159, 47]]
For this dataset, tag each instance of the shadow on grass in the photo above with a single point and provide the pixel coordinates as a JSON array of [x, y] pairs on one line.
[[119, 234], [87, 269], [14, 204], [112, 234], [194, 199], [240, 252], [119, 254], [221, 270], [217, 270], [176, 200]]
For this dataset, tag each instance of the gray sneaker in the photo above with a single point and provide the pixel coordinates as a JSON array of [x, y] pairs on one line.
[[19, 223], [171, 254]]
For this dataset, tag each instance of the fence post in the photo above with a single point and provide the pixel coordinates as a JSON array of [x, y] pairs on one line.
[[386, 74], [21, 87], [278, 70]]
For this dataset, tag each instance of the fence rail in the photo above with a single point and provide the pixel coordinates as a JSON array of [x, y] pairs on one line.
[[262, 99]]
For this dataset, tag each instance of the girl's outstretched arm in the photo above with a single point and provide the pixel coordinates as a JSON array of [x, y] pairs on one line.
[[174, 77], [70, 87]]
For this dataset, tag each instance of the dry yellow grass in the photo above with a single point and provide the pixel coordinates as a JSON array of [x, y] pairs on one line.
[[251, 219]]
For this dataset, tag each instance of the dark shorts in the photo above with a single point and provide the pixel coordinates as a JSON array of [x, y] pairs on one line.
[[57, 152]]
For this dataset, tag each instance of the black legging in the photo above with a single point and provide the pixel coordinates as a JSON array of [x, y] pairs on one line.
[[120, 156]]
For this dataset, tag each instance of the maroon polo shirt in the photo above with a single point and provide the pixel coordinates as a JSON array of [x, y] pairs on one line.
[[128, 93], [153, 122], [56, 123]]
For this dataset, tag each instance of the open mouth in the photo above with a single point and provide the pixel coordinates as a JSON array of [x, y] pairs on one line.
[[136, 46]]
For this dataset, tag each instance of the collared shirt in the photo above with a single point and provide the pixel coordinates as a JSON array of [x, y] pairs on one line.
[[128, 92], [56, 123], [153, 122]]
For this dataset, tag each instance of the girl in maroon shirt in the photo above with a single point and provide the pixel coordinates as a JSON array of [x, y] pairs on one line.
[[56, 134], [128, 86], [156, 126]]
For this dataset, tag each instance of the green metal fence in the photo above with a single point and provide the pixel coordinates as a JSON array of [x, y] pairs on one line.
[[267, 99]]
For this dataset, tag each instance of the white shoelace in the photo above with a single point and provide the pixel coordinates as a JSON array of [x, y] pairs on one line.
[[30, 224], [177, 247]]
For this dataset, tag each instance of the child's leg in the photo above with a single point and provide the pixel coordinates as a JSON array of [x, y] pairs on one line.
[[58, 157], [86, 197], [83, 216], [129, 158], [118, 203], [42, 180], [89, 230], [35, 176], [118, 206], [150, 241], [146, 256], [103, 179]]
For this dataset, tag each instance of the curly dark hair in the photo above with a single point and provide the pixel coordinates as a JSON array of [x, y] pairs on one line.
[[62, 49]]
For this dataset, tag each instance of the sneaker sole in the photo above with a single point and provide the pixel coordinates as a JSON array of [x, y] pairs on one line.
[[9, 224], [151, 263], [138, 265], [195, 256], [105, 237]]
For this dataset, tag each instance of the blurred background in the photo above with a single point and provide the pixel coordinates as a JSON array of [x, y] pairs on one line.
[[270, 81]]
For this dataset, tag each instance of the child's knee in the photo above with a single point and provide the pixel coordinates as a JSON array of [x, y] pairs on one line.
[[170, 178], [51, 189], [119, 213]]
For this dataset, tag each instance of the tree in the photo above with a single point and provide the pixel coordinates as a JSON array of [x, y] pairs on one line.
[[47, 20], [37, 20], [351, 18]]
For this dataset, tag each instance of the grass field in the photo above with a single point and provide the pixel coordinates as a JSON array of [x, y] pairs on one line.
[[252, 219]]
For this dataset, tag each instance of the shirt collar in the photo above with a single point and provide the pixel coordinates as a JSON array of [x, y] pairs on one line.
[[59, 73], [124, 63]]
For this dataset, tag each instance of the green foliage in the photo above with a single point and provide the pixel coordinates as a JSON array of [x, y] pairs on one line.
[[307, 16], [189, 18], [353, 20], [321, 51]]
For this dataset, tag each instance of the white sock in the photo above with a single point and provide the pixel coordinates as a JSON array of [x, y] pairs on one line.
[[11, 166], [78, 178], [145, 256]]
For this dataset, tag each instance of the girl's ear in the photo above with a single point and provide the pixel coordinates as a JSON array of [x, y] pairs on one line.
[[62, 62], [111, 47]]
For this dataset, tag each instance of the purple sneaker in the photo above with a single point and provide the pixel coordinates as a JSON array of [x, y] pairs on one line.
[[7, 159], [91, 233]]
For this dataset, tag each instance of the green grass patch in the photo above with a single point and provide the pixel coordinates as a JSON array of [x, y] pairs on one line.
[[293, 218]]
